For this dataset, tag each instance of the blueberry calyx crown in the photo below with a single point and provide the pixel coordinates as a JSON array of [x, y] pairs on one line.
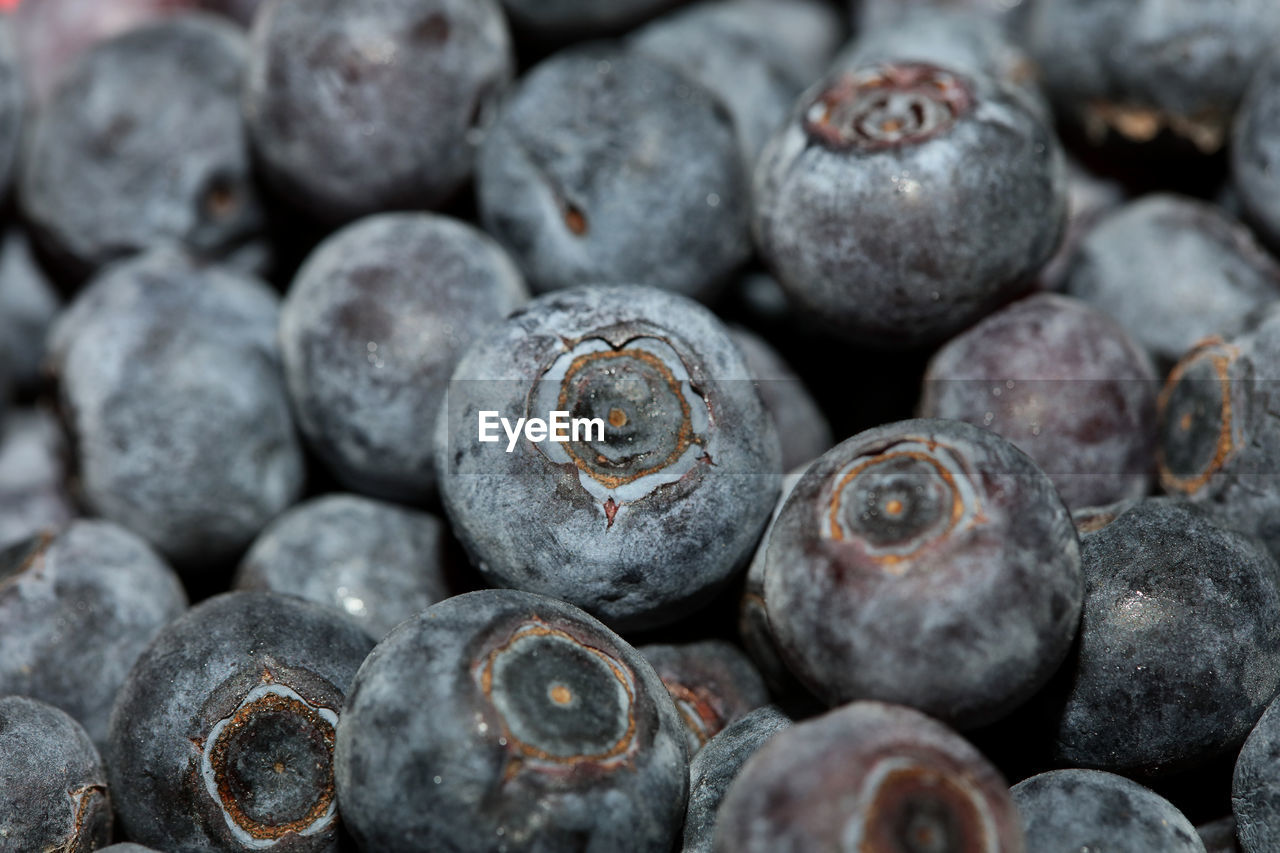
[[702, 720], [912, 807], [1197, 422], [891, 105]]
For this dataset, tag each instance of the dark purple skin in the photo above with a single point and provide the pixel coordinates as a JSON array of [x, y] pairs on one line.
[[1255, 787], [1179, 649], [241, 11], [1066, 384], [377, 563], [715, 767], [1172, 271], [1068, 811], [356, 108], [712, 683], [28, 304], [12, 103], [609, 167], [902, 201], [618, 527], [1090, 198], [885, 567], [1185, 65], [1218, 431], [505, 720], [1255, 150], [756, 56], [76, 610], [568, 19], [34, 489], [171, 385], [1219, 836], [223, 733], [802, 427], [142, 145], [54, 788], [370, 332], [872, 777]]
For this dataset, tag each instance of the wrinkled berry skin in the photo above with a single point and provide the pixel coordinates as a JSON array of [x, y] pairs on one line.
[[76, 610], [504, 720], [34, 492], [1179, 648], [561, 19], [170, 381], [28, 305], [712, 683], [12, 102], [1062, 381], [1066, 811], [377, 563], [802, 427], [715, 767], [618, 527], [356, 108], [1255, 150], [143, 144], [612, 167], [867, 776], [756, 56], [1138, 69], [1255, 788], [222, 736], [371, 330], [903, 201], [1172, 271], [892, 553], [53, 791], [1218, 432]]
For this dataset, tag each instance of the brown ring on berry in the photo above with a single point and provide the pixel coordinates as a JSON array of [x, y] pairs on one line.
[[701, 719], [1220, 358]]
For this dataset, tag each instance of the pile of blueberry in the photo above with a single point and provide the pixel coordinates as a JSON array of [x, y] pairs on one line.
[[720, 426]]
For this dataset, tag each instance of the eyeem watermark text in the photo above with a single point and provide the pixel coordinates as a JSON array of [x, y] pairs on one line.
[[557, 427]]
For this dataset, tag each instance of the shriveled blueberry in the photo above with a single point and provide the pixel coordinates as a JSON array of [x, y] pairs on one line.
[[28, 305], [170, 380], [1219, 836], [504, 720], [712, 683], [1172, 271], [756, 56], [1067, 811], [1179, 649], [1139, 69], [34, 492], [715, 767], [222, 736], [1066, 384], [376, 562], [617, 519], [1090, 198], [612, 167], [560, 19], [355, 108], [1255, 150], [902, 201], [370, 331], [869, 777], [894, 551], [53, 791], [1255, 788], [802, 427], [12, 103], [76, 610], [143, 144]]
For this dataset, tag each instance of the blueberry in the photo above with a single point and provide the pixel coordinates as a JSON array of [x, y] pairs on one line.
[[871, 15], [612, 167], [1067, 811], [1141, 69], [126, 847], [1255, 789], [171, 383], [562, 19], [53, 791], [868, 777], [76, 610], [802, 427], [143, 144], [618, 521], [355, 108], [1255, 151], [1219, 836], [12, 104], [756, 56], [371, 329], [34, 492], [715, 767], [1172, 271], [1064, 383], [1090, 198], [712, 683], [222, 736], [241, 11], [1179, 648], [376, 562], [903, 201], [501, 720], [28, 304], [893, 552]]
